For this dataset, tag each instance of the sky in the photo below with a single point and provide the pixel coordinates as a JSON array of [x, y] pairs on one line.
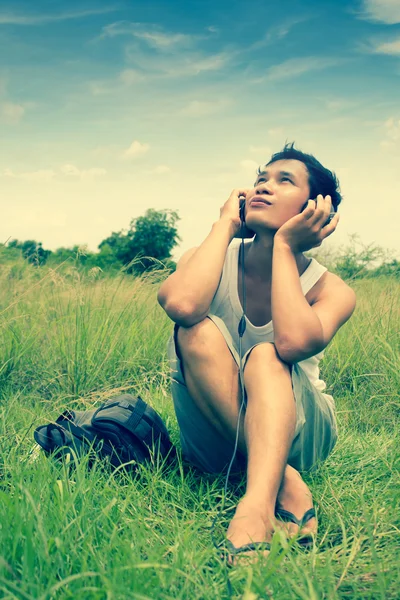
[[110, 108]]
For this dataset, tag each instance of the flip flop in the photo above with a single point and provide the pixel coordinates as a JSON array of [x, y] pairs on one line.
[[232, 550], [285, 515]]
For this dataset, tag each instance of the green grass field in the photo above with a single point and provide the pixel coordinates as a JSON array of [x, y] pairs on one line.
[[70, 340]]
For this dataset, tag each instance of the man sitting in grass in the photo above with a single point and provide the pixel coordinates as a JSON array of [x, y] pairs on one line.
[[294, 307]]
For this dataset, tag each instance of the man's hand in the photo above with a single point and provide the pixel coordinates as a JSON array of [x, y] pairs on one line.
[[307, 230], [230, 210]]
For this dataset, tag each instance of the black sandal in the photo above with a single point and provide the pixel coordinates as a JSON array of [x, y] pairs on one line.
[[284, 515], [231, 550]]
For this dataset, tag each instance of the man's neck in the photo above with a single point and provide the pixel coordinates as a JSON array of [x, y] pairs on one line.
[[258, 259]]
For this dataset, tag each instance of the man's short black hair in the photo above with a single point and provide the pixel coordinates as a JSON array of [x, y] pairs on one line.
[[321, 180]]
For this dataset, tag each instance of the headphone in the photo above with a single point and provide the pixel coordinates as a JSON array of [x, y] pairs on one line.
[[241, 330]]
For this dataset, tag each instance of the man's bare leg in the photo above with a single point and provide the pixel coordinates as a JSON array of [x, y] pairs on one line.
[[295, 496], [269, 429], [212, 379]]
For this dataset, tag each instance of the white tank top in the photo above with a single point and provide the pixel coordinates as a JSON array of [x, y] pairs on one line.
[[226, 306]]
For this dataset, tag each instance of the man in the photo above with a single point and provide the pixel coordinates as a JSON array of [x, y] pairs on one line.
[[294, 307]]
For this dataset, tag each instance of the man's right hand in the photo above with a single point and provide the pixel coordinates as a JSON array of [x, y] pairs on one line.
[[230, 210]]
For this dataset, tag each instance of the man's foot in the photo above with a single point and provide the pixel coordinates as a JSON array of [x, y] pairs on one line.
[[295, 496], [249, 526]]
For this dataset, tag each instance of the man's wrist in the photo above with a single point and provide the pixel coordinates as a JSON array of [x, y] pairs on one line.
[[281, 243], [226, 225]]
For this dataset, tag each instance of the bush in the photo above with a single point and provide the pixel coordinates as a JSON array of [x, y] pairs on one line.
[[357, 260]]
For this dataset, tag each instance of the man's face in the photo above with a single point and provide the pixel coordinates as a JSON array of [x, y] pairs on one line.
[[283, 189]]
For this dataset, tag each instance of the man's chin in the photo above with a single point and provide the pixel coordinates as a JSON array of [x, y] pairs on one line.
[[263, 229]]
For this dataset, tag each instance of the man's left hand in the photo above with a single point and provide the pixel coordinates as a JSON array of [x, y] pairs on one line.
[[308, 230]]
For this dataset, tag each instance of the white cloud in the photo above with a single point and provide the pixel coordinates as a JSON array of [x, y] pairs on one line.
[[47, 175], [298, 66], [339, 104], [392, 48], [150, 67], [41, 175], [99, 88], [136, 149], [8, 18], [201, 108], [162, 40], [129, 76], [264, 150], [162, 170], [383, 11], [73, 171], [70, 170], [208, 63], [392, 129], [275, 131], [93, 172], [175, 64], [250, 166], [3, 86], [278, 32], [153, 35], [11, 112]]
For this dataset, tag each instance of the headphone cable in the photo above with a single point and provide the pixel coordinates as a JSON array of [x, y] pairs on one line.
[[241, 330]]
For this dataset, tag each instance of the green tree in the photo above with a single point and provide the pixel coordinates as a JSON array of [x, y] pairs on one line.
[[150, 238], [32, 251]]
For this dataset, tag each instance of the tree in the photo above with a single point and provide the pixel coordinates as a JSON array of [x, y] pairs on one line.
[[116, 245], [152, 236], [32, 251]]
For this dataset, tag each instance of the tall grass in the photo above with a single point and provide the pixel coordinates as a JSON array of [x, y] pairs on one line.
[[67, 531]]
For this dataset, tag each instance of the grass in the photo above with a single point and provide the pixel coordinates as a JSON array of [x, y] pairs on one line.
[[67, 531]]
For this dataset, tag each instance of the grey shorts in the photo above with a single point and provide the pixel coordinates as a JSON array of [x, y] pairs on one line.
[[315, 432]]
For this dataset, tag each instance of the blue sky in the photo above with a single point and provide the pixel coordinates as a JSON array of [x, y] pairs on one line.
[[107, 109]]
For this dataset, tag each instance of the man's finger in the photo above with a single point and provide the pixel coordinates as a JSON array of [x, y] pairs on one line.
[[330, 228], [309, 211], [324, 209]]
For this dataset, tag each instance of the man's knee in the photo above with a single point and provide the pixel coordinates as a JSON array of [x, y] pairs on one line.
[[265, 355]]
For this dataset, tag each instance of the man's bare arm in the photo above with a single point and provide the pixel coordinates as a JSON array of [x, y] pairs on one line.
[[186, 295], [302, 330]]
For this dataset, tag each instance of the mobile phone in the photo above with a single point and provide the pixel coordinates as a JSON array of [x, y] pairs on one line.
[[330, 217], [247, 233]]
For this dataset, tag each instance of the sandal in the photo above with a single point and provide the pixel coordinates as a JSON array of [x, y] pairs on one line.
[[231, 550], [285, 515]]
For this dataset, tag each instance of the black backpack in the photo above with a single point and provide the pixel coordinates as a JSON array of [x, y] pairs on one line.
[[123, 429]]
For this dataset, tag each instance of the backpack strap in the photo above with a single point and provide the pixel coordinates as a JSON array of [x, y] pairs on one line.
[[153, 431], [51, 426], [136, 414]]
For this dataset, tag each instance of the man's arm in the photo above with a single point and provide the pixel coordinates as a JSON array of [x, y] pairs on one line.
[[186, 295], [302, 330]]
